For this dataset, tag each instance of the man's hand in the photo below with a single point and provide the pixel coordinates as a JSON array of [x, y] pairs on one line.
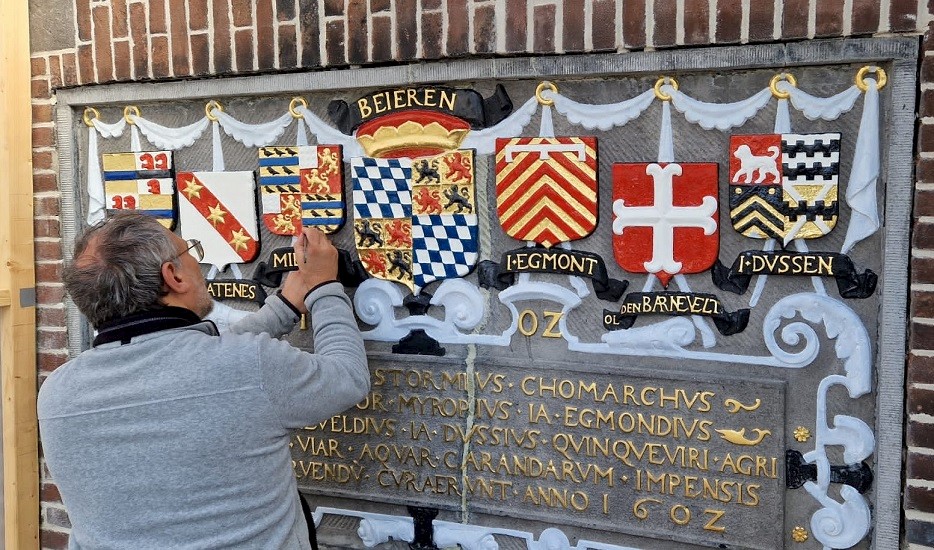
[[316, 259]]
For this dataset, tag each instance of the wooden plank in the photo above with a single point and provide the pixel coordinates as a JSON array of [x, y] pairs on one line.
[[17, 324]]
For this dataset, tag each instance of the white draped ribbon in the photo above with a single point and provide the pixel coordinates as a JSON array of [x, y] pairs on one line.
[[217, 147], [324, 133], [547, 128], [164, 137], [601, 117], [96, 198], [827, 108], [721, 116], [253, 135], [484, 141], [666, 141], [301, 133], [861, 189]]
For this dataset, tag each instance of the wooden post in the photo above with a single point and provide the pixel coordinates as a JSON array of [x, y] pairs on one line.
[[17, 284]]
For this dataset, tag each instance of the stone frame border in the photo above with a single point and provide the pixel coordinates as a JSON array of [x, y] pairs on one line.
[[902, 53]]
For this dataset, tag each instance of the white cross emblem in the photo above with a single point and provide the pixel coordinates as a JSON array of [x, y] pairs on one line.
[[663, 217]]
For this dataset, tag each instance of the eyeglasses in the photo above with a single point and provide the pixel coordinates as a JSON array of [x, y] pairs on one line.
[[193, 245]]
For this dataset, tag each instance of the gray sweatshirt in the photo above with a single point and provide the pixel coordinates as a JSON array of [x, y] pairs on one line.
[[180, 438]]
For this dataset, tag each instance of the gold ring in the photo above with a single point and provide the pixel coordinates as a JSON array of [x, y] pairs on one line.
[[538, 93], [773, 85], [658, 87], [210, 106], [88, 118], [296, 101], [881, 78], [130, 110]]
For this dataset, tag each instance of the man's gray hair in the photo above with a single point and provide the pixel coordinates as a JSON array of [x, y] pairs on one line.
[[117, 267]]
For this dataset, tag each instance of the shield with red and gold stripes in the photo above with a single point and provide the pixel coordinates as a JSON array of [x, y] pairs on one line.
[[546, 188], [218, 209]]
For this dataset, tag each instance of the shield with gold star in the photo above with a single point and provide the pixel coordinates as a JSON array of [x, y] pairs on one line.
[[301, 186], [218, 209]]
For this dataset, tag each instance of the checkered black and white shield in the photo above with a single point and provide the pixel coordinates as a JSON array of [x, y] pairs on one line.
[[414, 220]]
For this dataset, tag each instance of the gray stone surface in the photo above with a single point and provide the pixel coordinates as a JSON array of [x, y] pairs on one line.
[[51, 25]]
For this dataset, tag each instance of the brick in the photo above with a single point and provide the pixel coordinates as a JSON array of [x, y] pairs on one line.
[[381, 28], [926, 137], [49, 361], [83, 18], [38, 66], [200, 55], [157, 17], [57, 516], [53, 540], [634, 24], [118, 21], [516, 22], [46, 206], [377, 6], [48, 492], [924, 170], [829, 18], [55, 71], [43, 183], [921, 336], [604, 25], [198, 14], [666, 15], [927, 69], [103, 54], [431, 4], [85, 64], [903, 15], [41, 113], [50, 317], [50, 294], [920, 466], [48, 250], [761, 21], [243, 50], [924, 202], [139, 47], [288, 51], [922, 270], [794, 19], [357, 33], [51, 339], [333, 8], [919, 532], [573, 31], [181, 56], [923, 235], [159, 56], [222, 54], [69, 69], [920, 401], [285, 10], [242, 13], [457, 28], [39, 88], [334, 42], [43, 137], [919, 498], [41, 160], [729, 21], [309, 34], [124, 65], [696, 27], [265, 37], [407, 29], [918, 434], [46, 228], [431, 35], [484, 29], [543, 28]]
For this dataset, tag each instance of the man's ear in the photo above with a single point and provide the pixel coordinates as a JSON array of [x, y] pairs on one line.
[[174, 279]]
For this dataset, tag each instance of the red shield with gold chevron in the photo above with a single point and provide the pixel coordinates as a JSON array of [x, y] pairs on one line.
[[218, 209], [546, 188]]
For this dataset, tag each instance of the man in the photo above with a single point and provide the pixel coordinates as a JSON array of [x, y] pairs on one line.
[[167, 435]]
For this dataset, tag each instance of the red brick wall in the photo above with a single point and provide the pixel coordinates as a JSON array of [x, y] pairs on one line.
[[131, 40]]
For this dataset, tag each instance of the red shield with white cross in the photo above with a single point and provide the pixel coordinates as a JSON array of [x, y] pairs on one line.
[[665, 219]]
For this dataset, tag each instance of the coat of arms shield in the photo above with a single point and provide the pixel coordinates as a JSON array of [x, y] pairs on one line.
[[301, 186], [665, 218], [546, 188], [784, 186], [219, 209], [415, 219], [141, 181]]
